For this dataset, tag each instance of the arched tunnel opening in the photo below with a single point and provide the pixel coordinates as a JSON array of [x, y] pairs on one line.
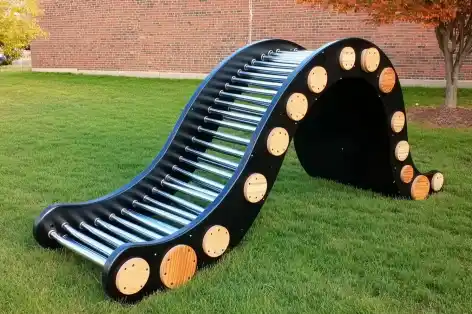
[[345, 137]]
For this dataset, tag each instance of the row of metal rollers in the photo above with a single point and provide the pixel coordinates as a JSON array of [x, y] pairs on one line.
[[265, 77]]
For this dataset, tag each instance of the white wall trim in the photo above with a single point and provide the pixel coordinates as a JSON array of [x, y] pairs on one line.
[[433, 83], [144, 74], [175, 75]]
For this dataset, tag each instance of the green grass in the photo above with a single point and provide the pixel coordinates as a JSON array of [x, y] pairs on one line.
[[316, 247], [424, 96]]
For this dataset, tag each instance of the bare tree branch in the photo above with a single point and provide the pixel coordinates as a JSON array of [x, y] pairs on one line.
[[451, 37], [460, 24], [439, 30]]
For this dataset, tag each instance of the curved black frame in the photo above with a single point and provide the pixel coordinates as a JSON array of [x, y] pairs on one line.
[[229, 209]]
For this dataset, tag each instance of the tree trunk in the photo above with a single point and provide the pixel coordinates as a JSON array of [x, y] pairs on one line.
[[451, 92], [451, 68]]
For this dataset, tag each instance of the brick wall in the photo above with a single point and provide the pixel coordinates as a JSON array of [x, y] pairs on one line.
[[193, 36]]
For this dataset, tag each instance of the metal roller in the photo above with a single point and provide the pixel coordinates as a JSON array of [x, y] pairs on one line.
[[280, 60], [149, 222], [114, 242], [265, 84], [241, 107], [226, 137], [136, 228], [249, 99], [207, 168], [291, 53], [298, 53], [190, 186], [219, 148], [156, 211], [221, 162], [170, 209], [236, 116], [191, 206], [251, 90], [267, 70], [187, 191], [78, 248], [273, 64], [230, 124], [215, 186], [117, 231], [263, 76], [287, 58], [105, 250]]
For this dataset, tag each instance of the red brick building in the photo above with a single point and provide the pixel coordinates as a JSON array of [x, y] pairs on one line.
[[168, 37]]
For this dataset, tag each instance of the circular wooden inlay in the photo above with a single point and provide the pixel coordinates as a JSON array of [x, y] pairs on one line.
[[398, 121], [297, 106], [278, 141], [402, 150], [420, 188], [347, 58], [407, 173], [370, 60], [178, 266], [317, 79], [387, 80], [255, 187], [132, 276], [437, 181], [216, 241]]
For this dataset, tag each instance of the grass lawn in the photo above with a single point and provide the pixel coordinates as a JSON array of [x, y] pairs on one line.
[[317, 246]]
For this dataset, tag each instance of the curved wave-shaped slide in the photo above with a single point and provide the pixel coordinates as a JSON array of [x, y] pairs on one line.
[[343, 106]]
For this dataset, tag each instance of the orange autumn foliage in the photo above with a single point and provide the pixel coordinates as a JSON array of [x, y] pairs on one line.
[[416, 11], [451, 20]]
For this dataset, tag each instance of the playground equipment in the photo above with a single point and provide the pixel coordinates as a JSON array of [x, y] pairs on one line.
[[342, 104]]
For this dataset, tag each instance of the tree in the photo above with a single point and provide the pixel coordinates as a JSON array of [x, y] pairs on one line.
[[451, 20], [18, 26]]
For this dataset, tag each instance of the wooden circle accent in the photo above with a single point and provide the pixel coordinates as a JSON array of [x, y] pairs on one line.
[[407, 173], [370, 60], [178, 266], [402, 150], [132, 276], [347, 58], [398, 121], [278, 141], [255, 187], [387, 80], [215, 241], [297, 106], [420, 188], [437, 181], [317, 79]]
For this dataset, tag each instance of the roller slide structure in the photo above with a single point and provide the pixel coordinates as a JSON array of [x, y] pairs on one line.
[[342, 105]]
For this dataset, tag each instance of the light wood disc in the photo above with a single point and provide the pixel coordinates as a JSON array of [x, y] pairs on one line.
[[407, 173], [387, 80], [178, 266], [278, 141], [347, 58], [297, 106], [255, 187], [420, 188], [402, 150], [398, 121], [132, 276], [216, 241], [437, 181], [370, 60], [317, 79]]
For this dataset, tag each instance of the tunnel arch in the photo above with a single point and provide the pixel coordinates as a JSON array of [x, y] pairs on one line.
[[355, 131]]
